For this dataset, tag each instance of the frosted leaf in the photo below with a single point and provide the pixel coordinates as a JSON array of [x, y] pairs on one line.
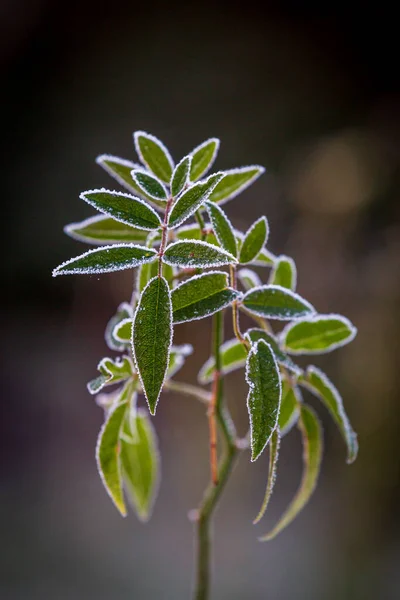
[[284, 273], [233, 357], [276, 302], [150, 185], [274, 445], [254, 240], [317, 334], [154, 155], [234, 182], [249, 279], [191, 199], [195, 253], [124, 311], [203, 157], [180, 176]]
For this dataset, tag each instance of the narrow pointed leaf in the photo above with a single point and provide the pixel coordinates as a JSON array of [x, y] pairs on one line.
[[107, 450], [120, 169], [254, 241], [154, 155], [104, 230], [264, 397], [318, 383], [187, 204], [233, 357], [203, 157], [275, 302], [124, 311], [318, 334], [284, 273], [140, 463], [149, 185], [180, 176], [234, 182], [283, 359], [106, 260], [124, 208], [222, 227], [274, 445], [312, 454], [201, 296], [289, 413], [249, 279], [196, 254], [152, 338]]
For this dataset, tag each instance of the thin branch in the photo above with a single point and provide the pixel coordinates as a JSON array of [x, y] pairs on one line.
[[186, 389]]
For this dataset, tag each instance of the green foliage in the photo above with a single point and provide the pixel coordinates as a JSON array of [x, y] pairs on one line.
[[174, 248]]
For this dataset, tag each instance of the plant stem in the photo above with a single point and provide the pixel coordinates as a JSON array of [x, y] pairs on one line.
[[235, 311], [164, 235], [213, 491]]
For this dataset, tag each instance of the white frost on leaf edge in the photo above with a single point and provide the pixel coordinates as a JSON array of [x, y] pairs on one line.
[[121, 161], [217, 263], [289, 259], [294, 295], [201, 276], [190, 210], [90, 271], [157, 141], [213, 158], [261, 171], [249, 232], [189, 159], [69, 230], [210, 362], [244, 274], [151, 176], [171, 336], [313, 319], [93, 203], [253, 352], [213, 206], [118, 327], [212, 311]]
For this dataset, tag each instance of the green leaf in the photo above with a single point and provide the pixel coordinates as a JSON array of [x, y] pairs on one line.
[[233, 357], [312, 454], [254, 241], [154, 155], [284, 273], [124, 208], [96, 385], [264, 398], [222, 228], [180, 175], [148, 271], [106, 260], [255, 334], [177, 358], [317, 334], [120, 169], [234, 182], [140, 463], [274, 444], [249, 279], [196, 254], [289, 413], [191, 199], [193, 232], [275, 302], [123, 331], [104, 230], [152, 338], [124, 311], [318, 383], [107, 450], [149, 185], [116, 370], [203, 157], [264, 259], [201, 296]]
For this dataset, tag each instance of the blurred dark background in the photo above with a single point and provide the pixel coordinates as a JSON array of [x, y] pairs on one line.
[[310, 93]]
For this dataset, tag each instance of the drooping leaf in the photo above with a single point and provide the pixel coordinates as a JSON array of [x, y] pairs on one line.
[[104, 230], [203, 157], [196, 253], [140, 462], [222, 227], [284, 273], [283, 359], [234, 182], [317, 334], [152, 338], [275, 302], [187, 204], [312, 454], [249, 279], [274, 444], [177, 358], [233, 357], [254, 241], [264, 397], [107, 449], [201, 296], [289, 413], [149, 184], [180, 175], [124, 208], [124, 311], [318, 383], [106, 260], [154, 155]]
